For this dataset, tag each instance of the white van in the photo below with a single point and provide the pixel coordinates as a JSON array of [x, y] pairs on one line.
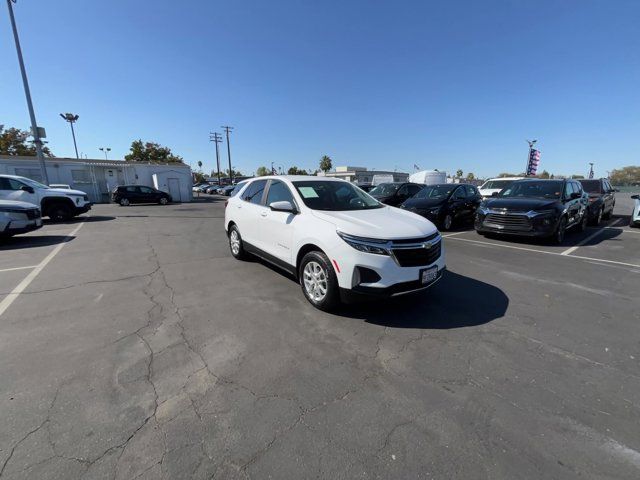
[[494, 185]]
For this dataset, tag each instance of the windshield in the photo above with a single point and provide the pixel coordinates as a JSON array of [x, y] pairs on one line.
[[334, 196], [591, 186], [385, 189], [435, 191], [497, 184], [537, 189], [32, 183]]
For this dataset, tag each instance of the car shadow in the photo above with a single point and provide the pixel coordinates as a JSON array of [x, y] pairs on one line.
[[456, 301], [75, 220], [20, 242]]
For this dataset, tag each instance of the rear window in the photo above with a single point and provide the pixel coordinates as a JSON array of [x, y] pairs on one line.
[[591, 186]]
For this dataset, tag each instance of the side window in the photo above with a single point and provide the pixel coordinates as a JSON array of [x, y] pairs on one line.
[[132, 189], [253, 193], [10, 184], [279, 192], [568, 190], [607, 186], [413, 189], [403, 191], [146, 190], [577, 187], [459, 193]]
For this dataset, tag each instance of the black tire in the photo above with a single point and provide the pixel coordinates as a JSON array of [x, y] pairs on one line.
[[582, 226], [124, 202], [446, 223], [238, 252], [607, 215], [558, 236], [331, 298], [163, 201], [59, 212], [598, 218]]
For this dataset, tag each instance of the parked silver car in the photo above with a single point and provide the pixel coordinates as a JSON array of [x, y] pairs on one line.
[[18, 217]]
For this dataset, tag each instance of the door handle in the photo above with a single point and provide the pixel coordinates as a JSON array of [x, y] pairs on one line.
[[263, 214]]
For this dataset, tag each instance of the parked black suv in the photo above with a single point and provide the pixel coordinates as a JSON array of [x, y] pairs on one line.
[[445, 204], [395, 193], [127, 194], [602, 199], [534, 208]]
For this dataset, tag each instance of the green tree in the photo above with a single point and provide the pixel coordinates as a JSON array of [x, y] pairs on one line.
[[544, 174], [470, 176], [200, 164], [577, 177], [262, 171], [625, 176], [296, 171], [198, 177], [151, 152], [14, 141], [325, 163], [459, 173]]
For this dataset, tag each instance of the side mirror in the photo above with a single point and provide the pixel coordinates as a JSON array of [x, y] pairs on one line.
[[284, 206], [617, 190], [575, 195], [635, 197], [27, 188], [495, 194]]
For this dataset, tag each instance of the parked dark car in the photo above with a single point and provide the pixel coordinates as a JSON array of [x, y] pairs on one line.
[[366, 188], [534, 208], [127, 194], [211, 188], [395, 193], [226, 191], [602, 199], [445, 204]]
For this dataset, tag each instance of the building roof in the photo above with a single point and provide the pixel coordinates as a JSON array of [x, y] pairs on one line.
[[87, 161]]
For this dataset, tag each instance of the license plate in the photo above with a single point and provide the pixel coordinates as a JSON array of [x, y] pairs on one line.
[[428, 275], [38, 222]]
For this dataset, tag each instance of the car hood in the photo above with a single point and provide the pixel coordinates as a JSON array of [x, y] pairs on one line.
[[424, 202], [66, 191], [16, 204], [486, 192], [383, 223], [520, 204]]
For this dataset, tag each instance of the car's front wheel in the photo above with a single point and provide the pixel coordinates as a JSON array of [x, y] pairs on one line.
[[235, 243], [60, 212], [582, 226], [163, 200], [558, 236], [318, 281], [124, 202], [447, 222]]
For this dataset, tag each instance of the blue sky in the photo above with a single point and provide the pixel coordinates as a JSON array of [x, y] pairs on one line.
[[381, 84]]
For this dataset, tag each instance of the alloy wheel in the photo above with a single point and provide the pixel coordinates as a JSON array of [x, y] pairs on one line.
[[315, 281], [446, 223], [234, 242]]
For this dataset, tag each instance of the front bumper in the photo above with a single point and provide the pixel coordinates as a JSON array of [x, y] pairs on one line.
[[394, 279], [537, 226], [361, 292], [16, 227], [83, 209]]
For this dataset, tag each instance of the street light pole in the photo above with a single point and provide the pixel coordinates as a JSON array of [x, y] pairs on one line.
[[71, 118], [34, 126], [105, 150], [227, 130]]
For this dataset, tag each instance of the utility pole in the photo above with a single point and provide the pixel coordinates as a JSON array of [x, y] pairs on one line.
[[35, 130], [71, 118], [531, 144], [227, 130], [217, 138]]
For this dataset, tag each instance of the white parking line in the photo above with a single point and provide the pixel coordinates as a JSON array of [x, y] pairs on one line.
[[586, 240], [452, 234], [480, 242], [17, 268], [15, 293]]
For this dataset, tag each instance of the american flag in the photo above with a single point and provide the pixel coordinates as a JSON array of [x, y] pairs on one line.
[[534, 161]]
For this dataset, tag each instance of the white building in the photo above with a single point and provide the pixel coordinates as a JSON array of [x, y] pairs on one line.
[[362, 176], [99, 177]]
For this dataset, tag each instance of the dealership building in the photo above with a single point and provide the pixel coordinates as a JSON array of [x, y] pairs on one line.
[[97, 178], [362, 176]]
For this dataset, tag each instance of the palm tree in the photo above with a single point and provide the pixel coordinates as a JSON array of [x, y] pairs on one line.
[[459, 173], [325, 163]]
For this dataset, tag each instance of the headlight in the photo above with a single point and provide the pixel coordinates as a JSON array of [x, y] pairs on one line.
[[367, 245], [539, 213], [483, 210]]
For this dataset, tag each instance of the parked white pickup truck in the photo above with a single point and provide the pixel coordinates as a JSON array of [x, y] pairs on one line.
[[58, 204]]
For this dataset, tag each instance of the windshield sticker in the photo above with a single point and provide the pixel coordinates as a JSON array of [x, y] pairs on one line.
[[308, 192]]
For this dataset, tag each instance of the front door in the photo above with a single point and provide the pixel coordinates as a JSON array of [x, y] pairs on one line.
[[278, 226]]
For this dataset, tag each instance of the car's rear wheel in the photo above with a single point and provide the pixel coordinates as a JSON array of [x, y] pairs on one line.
[[163, 200], [60, 212], [447, 222], [598, 217], [124, 202], [235, 243], [318, 281], [607, 215]]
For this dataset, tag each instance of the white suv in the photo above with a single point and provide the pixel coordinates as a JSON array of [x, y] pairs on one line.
[[58, 204], [334, 237]]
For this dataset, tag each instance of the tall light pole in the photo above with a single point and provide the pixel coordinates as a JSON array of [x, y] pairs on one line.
[[71, 118], [227, 130], [531, 144], [35, 130], [217, 138], [105, 150]]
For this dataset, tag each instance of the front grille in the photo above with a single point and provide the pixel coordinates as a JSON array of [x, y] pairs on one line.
[[32, 213], [508, 221], [415, 240], [417, 257]]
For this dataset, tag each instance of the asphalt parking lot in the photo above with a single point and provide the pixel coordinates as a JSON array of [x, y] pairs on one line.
[[132, 345]]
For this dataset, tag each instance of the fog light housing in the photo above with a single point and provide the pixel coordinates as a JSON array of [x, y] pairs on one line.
[[365, 275]]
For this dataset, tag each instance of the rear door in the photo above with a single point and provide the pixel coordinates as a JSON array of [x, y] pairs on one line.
[[148, 195], [277, 227]]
